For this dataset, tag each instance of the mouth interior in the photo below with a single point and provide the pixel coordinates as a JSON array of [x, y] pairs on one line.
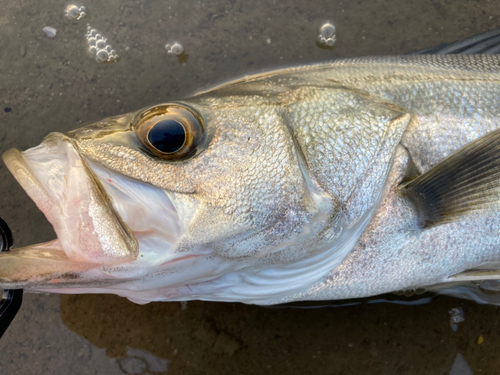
[[148, 211], [100, 216], [58, 180]]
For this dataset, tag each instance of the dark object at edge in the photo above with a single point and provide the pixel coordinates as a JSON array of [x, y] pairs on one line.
[[10, 299]]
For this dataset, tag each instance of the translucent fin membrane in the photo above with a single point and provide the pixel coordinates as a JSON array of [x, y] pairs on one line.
[[485, 43]]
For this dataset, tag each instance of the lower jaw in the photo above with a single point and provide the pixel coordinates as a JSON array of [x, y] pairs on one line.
[[37, 266]]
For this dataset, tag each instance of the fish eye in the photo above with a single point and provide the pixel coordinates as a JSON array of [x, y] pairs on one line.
[[167, 136], [169, 131]]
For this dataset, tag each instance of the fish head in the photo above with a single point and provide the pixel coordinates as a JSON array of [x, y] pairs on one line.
[[213, 197], [124, 211]]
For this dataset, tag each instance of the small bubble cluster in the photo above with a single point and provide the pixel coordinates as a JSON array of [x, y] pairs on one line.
[[99, 47], [326, 35], [178, 50], [456, 316], [175, 49], [75, 12]]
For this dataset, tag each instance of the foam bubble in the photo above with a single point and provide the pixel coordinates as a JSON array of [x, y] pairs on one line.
[[456, 317], [327, 37], [99, 46], [75, 12], [175, 49], [178, 50], [102, 55]]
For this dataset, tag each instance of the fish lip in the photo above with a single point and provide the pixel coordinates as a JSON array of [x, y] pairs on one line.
[[52, 207], [19, 168]]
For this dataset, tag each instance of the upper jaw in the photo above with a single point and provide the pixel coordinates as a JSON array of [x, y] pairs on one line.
[[59, 181]]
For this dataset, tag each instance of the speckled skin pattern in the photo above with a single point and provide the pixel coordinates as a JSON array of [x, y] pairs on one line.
[[253, 200], [344, 121], [291, 194], [449, 110]]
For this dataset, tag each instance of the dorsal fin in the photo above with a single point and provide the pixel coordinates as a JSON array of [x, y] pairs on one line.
[[484, 43], [467, 180]]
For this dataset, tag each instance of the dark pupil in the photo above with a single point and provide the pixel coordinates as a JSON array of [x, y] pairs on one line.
[[167, 136]]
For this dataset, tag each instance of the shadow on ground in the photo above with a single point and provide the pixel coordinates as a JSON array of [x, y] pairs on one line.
[[230, 338]]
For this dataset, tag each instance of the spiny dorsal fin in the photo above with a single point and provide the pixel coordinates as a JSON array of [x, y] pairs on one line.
[[467, 180], [484, 43]]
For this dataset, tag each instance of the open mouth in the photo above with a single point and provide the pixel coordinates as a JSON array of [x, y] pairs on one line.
[[58, 180], [100, 218]]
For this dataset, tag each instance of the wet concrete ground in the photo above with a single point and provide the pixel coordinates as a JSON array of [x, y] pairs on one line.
[[53, 85]]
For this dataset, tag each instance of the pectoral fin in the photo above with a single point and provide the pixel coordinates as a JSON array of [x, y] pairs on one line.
[[477, 275], [467, 180]]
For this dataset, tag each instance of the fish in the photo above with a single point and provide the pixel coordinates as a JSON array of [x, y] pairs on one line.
[[337, 180]]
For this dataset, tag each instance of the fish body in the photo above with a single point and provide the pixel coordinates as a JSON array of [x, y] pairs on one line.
[[292, 188]]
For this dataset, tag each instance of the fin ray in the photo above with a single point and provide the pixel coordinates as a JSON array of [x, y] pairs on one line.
[[484, 43], [467, 180]]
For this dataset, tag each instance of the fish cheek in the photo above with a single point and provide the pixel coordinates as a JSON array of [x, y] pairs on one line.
[[250, 185], [120, 153]]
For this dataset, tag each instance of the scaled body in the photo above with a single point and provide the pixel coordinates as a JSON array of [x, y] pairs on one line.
[[293, 193]]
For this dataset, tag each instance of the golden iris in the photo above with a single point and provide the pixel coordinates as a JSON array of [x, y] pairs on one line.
[[170, 131]]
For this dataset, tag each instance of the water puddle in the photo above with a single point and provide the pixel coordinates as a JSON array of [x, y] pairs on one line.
[[357, 335], [460, 366], [140, 362]]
